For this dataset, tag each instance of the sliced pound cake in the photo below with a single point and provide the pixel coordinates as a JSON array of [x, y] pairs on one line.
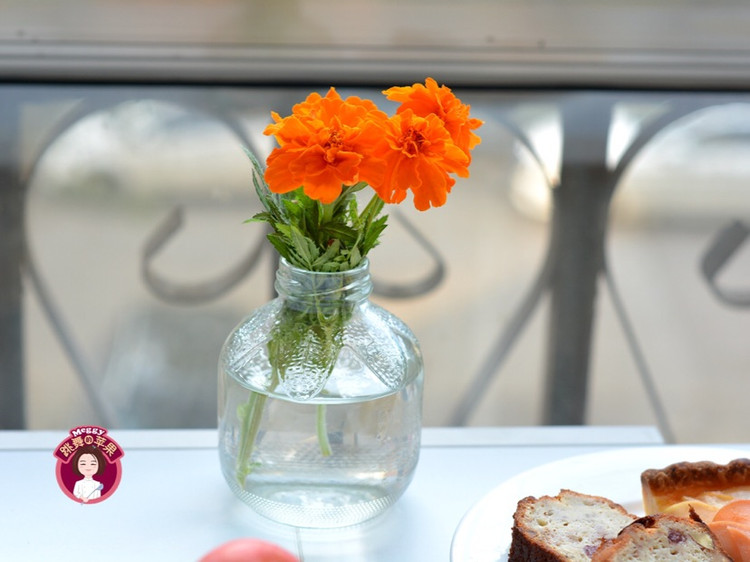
[[570, 526], [663, 537]]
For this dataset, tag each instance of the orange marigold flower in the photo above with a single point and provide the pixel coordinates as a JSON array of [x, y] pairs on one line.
[[429, 99], [419, 155], [325, 144]]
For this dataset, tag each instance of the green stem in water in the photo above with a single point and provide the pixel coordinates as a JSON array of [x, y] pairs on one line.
[[252, 412], [330, 335], [328, 327], [325, 445]]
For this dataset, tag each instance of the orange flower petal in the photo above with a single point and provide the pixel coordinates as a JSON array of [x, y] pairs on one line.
[[430, 98], [277, 172], [327, 142], [419, 155]]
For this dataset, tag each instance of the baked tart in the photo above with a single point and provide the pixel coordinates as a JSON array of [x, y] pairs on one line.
[[718, 494], [705, 486]]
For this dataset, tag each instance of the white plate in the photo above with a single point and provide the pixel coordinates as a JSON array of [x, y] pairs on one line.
[[484, 533]]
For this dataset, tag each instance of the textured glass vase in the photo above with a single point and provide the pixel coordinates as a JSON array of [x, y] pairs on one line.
[[320, 402]]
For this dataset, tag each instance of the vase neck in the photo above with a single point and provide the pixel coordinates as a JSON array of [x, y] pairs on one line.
[[304, 286]]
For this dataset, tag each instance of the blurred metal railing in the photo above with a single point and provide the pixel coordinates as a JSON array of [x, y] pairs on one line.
[[467, 44], [17, 259], [576, 260], [12, 199]]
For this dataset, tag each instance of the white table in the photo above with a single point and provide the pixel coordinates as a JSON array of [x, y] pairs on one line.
[[173, 503]]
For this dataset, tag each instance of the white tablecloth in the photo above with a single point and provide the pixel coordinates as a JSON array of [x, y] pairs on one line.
[[173, 503]]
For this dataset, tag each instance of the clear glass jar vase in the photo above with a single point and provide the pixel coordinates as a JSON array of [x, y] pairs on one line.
[[320, 402]]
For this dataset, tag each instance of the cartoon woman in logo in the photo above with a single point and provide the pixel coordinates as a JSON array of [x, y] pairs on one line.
[[88, 462], [88, 468]]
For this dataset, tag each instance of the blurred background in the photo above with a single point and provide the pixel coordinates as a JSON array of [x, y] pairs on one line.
[[116, 122]]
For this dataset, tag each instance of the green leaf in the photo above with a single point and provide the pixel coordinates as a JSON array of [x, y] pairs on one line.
[[304, 247], [281, 245], [331, 252], [372, 234], [316, 236], [264, 216], [347, 235]]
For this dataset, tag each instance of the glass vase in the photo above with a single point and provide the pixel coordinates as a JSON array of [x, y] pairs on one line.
[[320, 402]]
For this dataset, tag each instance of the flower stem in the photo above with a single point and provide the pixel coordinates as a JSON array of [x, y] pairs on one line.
[[252, 412], [325, 445]]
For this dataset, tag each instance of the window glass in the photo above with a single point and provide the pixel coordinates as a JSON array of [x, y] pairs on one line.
[[104, 168]]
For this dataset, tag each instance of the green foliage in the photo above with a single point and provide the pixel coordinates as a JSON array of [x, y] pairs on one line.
[[329, 238], [310, 235]]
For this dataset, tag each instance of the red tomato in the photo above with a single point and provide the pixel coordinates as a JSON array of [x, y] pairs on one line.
[[249, 550]]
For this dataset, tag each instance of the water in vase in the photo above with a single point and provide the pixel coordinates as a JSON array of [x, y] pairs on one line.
[[334, 460]]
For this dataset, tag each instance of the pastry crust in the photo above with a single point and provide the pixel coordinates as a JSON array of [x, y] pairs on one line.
[[666, 486], [705, 474]]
